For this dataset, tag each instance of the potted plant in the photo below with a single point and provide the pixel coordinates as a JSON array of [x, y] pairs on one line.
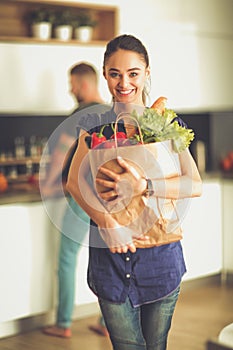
[[84, 26], [63, 24], [40, 20]]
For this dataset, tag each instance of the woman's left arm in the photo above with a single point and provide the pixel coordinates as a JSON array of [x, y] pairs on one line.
[[187, 184]]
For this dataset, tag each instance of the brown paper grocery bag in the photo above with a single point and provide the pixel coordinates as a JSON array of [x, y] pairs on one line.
[[150, 216]]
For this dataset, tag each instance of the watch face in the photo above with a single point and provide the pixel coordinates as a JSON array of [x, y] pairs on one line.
[[150, 190]]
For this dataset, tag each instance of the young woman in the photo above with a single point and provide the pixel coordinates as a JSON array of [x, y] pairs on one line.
[[137, 289]]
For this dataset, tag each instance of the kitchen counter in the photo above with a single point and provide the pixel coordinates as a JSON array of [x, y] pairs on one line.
[[32, 238], [29, 193], [217, 175], [20, 193]]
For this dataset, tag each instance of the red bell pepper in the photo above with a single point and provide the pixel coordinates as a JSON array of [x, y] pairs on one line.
[[98, 138], [119, 135]]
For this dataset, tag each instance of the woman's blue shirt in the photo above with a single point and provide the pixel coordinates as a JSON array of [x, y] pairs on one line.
[[144, 276]]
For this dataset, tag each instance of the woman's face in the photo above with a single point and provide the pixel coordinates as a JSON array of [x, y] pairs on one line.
[[126, 73]]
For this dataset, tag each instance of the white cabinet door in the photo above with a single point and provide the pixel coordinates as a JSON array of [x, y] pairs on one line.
[[26, 261], [202, 226], [227, 226]]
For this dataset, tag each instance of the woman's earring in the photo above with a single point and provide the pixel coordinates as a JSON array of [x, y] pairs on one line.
[[148, 84]]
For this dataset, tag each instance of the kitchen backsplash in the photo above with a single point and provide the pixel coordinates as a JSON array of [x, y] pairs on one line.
[[13, 127], [214, 129]]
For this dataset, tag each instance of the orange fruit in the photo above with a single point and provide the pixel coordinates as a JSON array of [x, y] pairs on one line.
[[3, 183]]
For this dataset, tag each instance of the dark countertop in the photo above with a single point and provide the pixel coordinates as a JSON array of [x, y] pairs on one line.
[[217, 175], [24, 193], [29, 193]]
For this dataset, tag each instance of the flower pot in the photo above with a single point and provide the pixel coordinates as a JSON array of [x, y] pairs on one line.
[[84, 33], [63, 32], [42, 30]]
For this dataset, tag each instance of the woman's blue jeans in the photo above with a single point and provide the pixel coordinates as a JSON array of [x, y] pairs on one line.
[[142, 328]]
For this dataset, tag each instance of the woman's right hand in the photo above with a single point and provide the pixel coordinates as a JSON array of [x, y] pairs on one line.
[[118, 238], [121, 185]]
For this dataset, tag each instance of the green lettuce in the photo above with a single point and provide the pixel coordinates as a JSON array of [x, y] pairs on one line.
[[156, 128]]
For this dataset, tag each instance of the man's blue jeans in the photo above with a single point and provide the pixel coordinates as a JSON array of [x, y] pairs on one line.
[[73, 227], [142, 328]]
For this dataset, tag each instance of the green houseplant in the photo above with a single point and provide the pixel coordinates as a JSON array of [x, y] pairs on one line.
[[63, 23], [84, 25], [40, 21], [85, 19]]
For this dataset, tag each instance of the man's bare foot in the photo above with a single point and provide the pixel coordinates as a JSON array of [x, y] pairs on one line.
[[56, 331]]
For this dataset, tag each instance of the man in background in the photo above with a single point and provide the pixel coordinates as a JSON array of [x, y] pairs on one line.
[[84, 87]]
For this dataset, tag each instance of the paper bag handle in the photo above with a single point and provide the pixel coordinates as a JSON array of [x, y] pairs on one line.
[[122, 115]]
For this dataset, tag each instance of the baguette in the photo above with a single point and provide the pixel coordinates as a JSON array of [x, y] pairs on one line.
[[159, 105]]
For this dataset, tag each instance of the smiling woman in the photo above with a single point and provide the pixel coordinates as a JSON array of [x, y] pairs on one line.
[[137, 288], [126, 83], [126, 72]]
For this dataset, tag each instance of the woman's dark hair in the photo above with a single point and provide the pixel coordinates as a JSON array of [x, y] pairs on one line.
[[126, 42], [129, 43]]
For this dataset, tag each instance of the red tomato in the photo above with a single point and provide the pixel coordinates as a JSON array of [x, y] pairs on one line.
[[226, 164]]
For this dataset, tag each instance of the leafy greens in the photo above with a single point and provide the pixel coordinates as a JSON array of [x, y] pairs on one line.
[[156, 127]]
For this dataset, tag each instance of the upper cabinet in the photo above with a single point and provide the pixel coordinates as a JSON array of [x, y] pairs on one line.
[[15, 27]]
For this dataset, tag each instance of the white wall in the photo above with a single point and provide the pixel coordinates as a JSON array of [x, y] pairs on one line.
[[191, 49], [190, 43], [34, 77]]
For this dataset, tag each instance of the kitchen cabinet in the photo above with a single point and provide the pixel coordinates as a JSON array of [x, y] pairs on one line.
[[227, 195], [202, 231], [29, 246], [28, 262], [14, 27]]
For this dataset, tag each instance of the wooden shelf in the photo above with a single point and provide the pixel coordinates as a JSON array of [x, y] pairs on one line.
[[23, 161], [19, 178], [14, 27], [52, 41]]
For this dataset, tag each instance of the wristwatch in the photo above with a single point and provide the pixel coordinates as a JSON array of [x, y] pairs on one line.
[[149, 188]]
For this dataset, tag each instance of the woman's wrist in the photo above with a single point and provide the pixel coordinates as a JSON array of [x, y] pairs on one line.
[[149, 191]]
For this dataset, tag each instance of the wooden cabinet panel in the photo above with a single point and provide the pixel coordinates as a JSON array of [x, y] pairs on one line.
[[14, 26]]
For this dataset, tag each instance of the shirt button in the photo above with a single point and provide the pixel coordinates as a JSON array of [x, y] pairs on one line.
[[128, 275], [127, 258]]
